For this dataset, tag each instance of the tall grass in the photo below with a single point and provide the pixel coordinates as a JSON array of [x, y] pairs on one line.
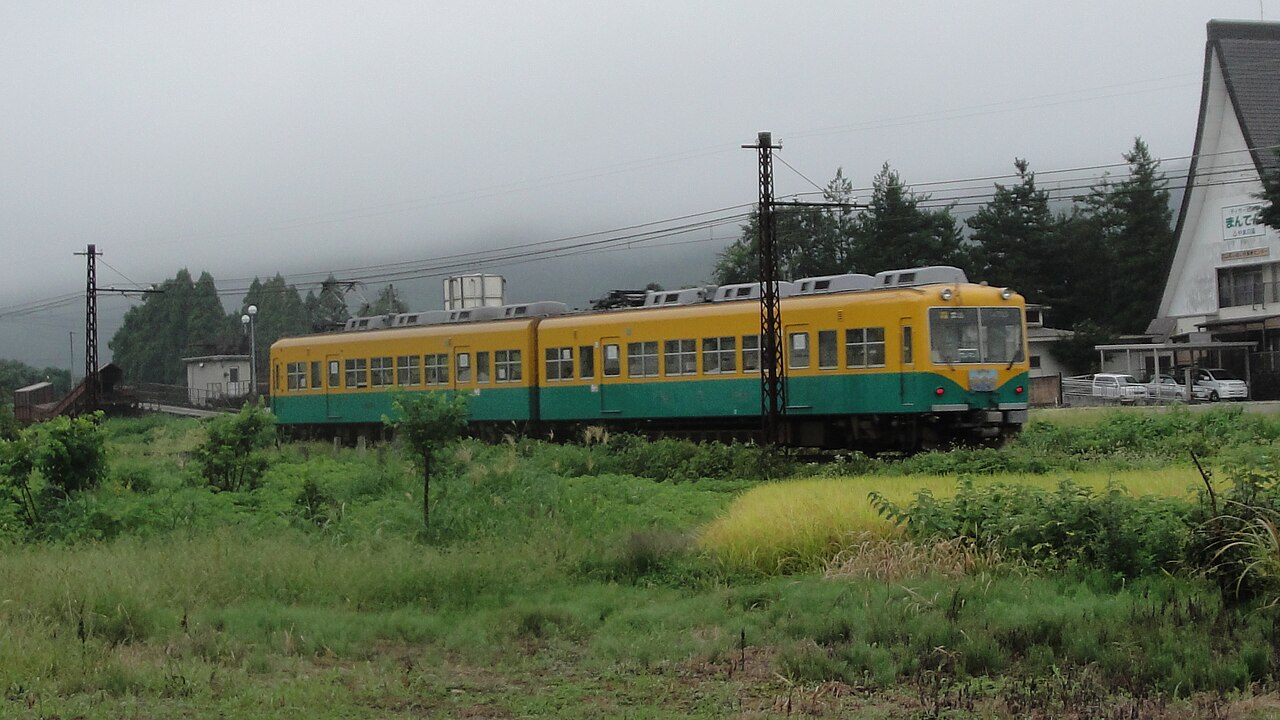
[[800, 525]]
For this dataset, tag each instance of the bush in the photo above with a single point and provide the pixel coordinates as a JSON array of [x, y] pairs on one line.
[[1111, 531], [232, 457], [71, 453]]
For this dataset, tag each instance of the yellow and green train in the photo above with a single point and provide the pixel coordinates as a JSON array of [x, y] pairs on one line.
[[904, 360]]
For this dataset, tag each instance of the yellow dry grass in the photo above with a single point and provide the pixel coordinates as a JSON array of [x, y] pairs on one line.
[[802, 524]]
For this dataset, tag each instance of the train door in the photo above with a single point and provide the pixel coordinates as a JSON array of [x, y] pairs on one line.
[[610, 375], [333, 366], [461, 376], [906, 374], [798, 358]]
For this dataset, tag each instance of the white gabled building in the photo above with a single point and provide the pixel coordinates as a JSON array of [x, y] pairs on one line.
[[215, 378], [1224, 282]]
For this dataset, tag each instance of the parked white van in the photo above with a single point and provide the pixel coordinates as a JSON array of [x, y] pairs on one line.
[[1216, 384], [1124, 388]]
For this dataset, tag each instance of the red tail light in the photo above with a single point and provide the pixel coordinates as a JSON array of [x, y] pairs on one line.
[[1018, 389], [939, 391]]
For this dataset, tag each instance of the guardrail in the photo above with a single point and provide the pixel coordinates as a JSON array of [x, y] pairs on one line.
[[1079, 392], [182, 396]]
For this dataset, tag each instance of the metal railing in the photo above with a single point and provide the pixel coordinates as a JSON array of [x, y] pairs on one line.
[[182, 396]]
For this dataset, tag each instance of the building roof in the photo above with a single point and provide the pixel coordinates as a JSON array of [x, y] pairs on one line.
[[1249, 54], [216, 358]]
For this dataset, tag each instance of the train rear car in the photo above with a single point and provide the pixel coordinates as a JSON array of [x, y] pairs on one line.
[[344, 380]]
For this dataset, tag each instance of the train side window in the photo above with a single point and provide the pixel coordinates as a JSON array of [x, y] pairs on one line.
[[436, 368], [464, 367], [680, 357], [382, 372], [750, 353], [612, 361], [317, 377], [799, 349], [828, 353], [482, 366], [907, 349], [586, 362], [296, 374], [864, 347], [719, 355], [335, 376], [642, 359], [559, 363], [875, 347], [357, 373], [408, 371], [506, 364]]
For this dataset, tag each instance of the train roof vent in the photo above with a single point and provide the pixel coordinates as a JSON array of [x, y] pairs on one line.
[[751, 291], [545, 308], [688, 296], [834, 284], [928, 275], [372, 322], [424, 317], [476, 314]]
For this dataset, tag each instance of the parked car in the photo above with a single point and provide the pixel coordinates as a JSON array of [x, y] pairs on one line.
[[1166, 387], [1216, 384], [1124, 388]]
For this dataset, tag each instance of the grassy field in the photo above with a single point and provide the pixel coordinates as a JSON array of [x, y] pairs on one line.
[[623, 579]]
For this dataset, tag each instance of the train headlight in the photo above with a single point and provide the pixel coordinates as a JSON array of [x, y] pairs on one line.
[[946, 293], [1006, 293]]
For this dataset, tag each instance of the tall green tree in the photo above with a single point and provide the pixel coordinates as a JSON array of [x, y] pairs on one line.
[[180, 320], [1134, 224], [1014, 238], [281, 313], [1271, 194], [388, 302], [327, 310], [14, 375], [894, 232], [808, 241]]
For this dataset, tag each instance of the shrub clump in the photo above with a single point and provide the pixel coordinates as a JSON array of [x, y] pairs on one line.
[[1069, 527], [233, 457]]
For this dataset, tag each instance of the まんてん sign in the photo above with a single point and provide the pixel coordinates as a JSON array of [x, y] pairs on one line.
[[1242, 221]]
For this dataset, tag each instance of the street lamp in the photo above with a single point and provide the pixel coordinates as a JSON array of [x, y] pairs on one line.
[[247, 320]]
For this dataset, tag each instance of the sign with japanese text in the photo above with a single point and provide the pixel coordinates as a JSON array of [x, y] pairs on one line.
[[1240, 221]]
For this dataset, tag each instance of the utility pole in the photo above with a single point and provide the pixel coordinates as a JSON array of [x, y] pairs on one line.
[[91, 331], [91, 385], [772, 367]]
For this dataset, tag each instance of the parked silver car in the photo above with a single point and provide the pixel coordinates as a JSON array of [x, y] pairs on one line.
[[1166, 387]]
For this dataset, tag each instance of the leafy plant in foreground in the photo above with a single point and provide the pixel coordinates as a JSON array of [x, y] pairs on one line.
[[233, 456], [428, 422], [1070, 526], [71, 452]]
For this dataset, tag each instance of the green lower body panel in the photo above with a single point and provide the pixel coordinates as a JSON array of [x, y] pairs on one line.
[[886, 393], [490, 404]]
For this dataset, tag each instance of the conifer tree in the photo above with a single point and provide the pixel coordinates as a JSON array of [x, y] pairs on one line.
[[1015, 243], [894, 232]]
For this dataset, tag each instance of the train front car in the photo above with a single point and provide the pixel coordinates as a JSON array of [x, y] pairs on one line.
[[975, 378], [905, 367]]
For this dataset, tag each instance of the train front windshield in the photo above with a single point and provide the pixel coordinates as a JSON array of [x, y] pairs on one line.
[[975, 335]]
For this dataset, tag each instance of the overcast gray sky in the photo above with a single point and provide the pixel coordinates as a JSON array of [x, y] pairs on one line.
[[249, 138]]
